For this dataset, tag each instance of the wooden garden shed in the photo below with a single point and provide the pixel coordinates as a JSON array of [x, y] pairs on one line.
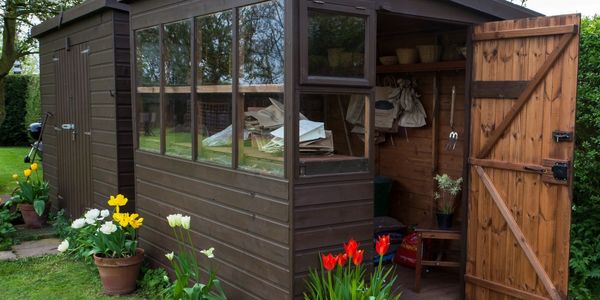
[[262, 120], [85, 85]]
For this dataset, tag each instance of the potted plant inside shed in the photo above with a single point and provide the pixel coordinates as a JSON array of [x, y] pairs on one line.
[[31, 197], [445, 198], [113, 244]]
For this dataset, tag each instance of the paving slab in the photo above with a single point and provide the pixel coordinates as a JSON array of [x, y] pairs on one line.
[[7, 255], [36, 248]]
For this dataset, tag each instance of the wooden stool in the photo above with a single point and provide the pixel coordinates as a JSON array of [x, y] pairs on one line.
[[429, 233]]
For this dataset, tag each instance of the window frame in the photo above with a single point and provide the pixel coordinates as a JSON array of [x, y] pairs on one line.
[[347, 8], [237, 109]]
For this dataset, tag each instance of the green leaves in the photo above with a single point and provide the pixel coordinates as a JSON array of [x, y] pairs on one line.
[[39, 206]]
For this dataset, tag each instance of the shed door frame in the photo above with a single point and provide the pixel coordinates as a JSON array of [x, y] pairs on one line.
[[556, 39]]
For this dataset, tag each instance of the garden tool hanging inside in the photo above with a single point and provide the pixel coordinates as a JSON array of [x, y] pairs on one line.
[[453, 137], [413, 114]]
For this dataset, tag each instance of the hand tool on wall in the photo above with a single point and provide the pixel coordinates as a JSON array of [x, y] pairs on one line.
[[453, 137]]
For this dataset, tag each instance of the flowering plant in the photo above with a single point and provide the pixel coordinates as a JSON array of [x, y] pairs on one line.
[[95, 234], [449, 188], [30, 190], [343, 276], [186, 266]]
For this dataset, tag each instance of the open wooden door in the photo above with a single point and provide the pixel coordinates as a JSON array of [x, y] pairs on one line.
[[522, 125]]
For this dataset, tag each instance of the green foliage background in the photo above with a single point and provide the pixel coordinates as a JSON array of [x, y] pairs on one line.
[[13, 132], [584, 280]]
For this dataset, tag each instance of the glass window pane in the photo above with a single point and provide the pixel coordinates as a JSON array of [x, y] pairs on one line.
[[214, 91], [261, 87], [147, 63], [336, 44], [178, 70], [332, 133]]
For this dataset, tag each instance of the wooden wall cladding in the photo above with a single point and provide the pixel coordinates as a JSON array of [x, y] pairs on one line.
[[409, 159], [105, 33], [244, 216]]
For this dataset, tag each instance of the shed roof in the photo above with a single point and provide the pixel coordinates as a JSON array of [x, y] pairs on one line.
[[86, 8]]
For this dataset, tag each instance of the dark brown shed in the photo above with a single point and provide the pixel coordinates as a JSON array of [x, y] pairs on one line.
[[84, 83], [270, 193]]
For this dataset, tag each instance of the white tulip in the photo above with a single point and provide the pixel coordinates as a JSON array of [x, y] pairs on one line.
[[104, 213], [108, 227], [170, 255], [63, 246], [174, 220], [185, 222], [78, 223], [208, 252], [92, 213]]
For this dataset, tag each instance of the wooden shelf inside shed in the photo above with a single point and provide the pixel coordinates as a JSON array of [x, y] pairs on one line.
[[423, 67], [213, 89]]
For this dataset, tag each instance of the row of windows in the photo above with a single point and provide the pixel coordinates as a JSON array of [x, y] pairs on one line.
[[167, 125]]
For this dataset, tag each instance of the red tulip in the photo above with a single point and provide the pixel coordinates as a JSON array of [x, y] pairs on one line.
[[351, 248], [382, 245], [329, 261], [358, 257], [341, 258]]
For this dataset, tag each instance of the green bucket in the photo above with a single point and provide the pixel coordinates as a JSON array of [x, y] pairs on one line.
[[382, 189]]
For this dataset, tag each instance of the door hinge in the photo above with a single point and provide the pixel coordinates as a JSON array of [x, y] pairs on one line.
[[562, 136], [560, 171]]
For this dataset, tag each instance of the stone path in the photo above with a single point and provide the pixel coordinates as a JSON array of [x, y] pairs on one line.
[[31, 249]]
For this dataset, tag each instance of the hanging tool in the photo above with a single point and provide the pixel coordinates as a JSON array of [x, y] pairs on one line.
[[453, 137]]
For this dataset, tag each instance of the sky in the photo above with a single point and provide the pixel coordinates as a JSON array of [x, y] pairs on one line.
[[561, 7]]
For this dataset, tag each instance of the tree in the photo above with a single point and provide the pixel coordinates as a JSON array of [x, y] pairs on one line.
[[18, 16]]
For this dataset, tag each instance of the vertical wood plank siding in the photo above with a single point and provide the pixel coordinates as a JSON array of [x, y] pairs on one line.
[[106, 33]]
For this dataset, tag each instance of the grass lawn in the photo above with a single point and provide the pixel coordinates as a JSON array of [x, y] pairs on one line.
[[11, 162], [51, 277]]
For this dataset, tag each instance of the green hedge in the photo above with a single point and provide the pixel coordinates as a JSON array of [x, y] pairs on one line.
[[13, 131], [584, 280]]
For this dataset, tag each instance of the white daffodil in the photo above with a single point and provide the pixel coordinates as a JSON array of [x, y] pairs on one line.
[[174, 220], [64, 245], [78, 223], [208, 252], [108, 227], [104, 213], [170, 255], [185, 222]]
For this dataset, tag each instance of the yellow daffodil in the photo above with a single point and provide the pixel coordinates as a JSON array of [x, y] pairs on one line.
[[15, 177], [117, 201], [27, 172], [135, 222], [34, 166], [123, 219]]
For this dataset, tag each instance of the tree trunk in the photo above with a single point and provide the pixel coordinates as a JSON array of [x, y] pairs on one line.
[[2, 100]]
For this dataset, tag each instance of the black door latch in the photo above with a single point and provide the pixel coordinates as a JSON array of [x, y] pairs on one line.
[[562, 136], [560, 171]]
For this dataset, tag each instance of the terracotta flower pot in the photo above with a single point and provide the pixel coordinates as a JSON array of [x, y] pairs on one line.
[[31, 218], [119, 275]]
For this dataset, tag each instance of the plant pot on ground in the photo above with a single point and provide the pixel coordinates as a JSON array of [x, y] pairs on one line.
[[31, 197], [31, 218], [119, 275], [113, 243], [448, 189]]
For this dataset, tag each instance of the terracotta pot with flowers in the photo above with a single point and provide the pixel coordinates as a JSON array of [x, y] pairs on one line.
[[113, 245], [446, 199], [31, 197]]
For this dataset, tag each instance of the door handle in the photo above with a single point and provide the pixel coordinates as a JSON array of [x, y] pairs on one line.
[[88, 133]]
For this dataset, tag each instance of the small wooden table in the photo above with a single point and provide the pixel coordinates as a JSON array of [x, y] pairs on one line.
[[430, 233]]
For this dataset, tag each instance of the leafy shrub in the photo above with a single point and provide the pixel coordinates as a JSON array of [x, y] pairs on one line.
[[13, 131], [584, 280], [6, 229], [154, 282], [33, 106]]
